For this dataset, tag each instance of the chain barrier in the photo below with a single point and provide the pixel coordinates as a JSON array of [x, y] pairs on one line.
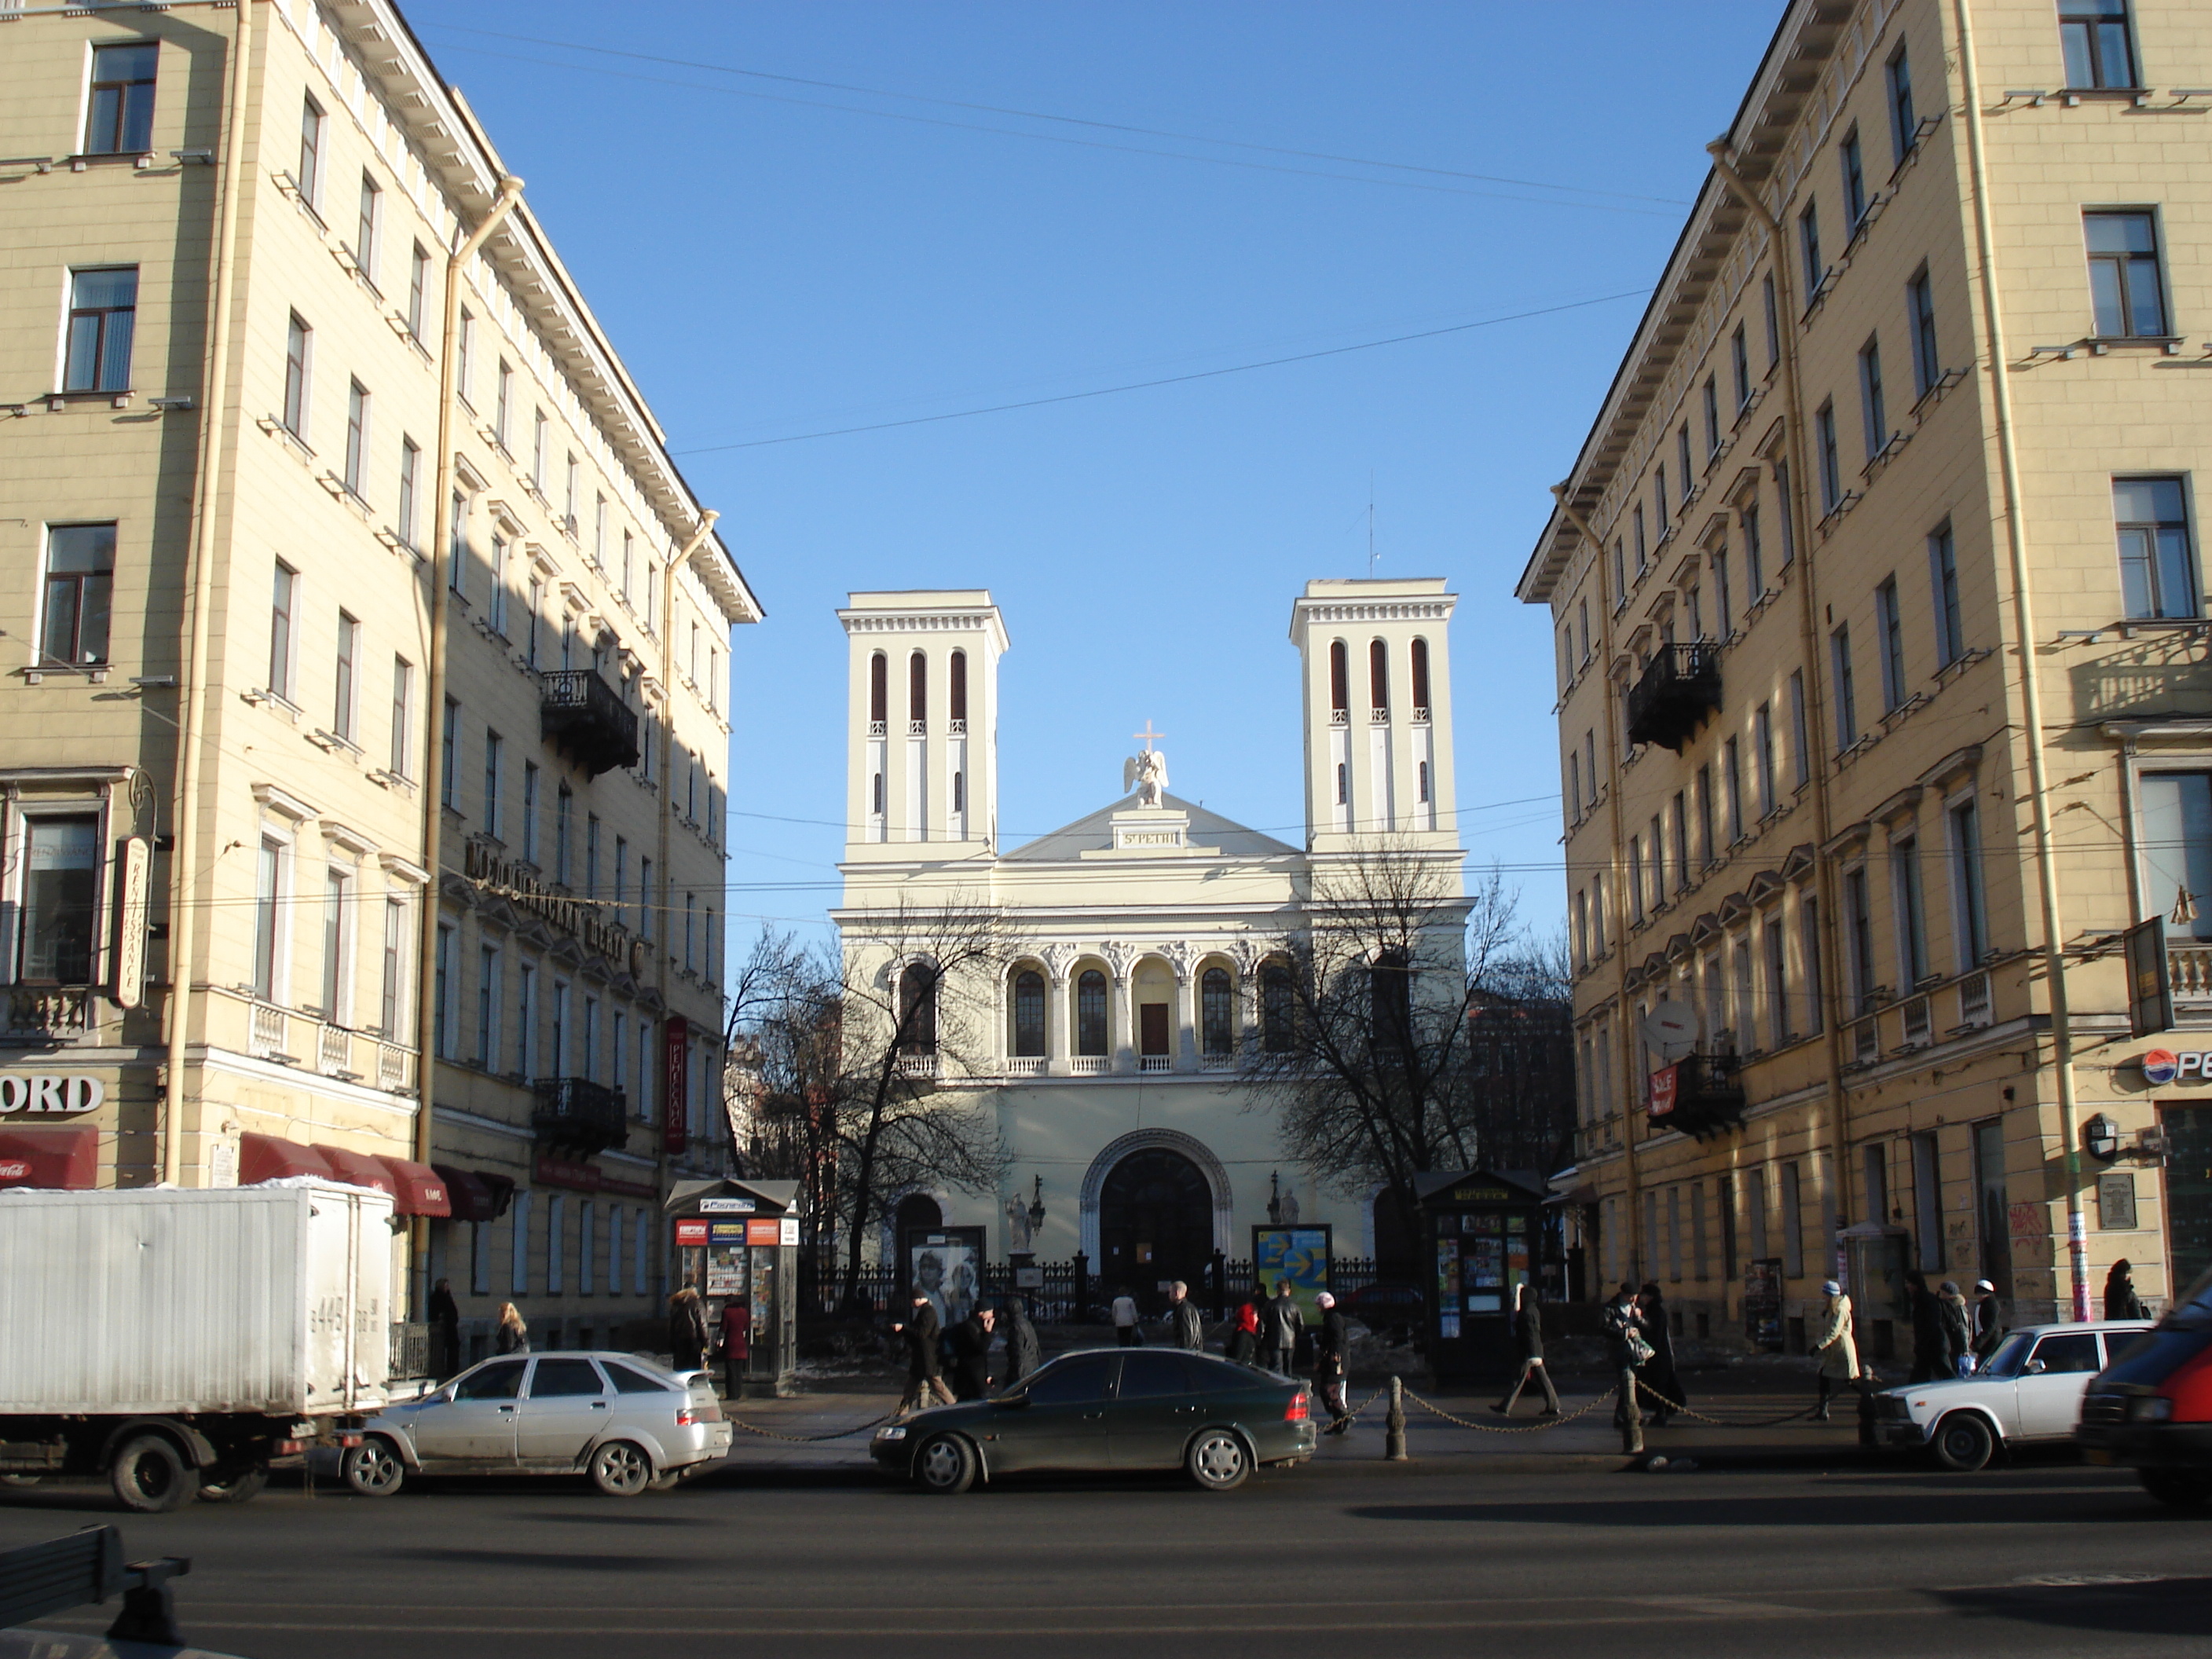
[[807, 1439], [1644, 1391], [1537, 1427]]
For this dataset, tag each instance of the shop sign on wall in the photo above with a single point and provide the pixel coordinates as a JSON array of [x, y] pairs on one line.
[[64, 1097]]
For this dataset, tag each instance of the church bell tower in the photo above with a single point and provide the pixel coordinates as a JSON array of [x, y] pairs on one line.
[[1377, 659]]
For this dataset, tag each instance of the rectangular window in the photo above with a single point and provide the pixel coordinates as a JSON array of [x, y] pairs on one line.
[[391, 1008], [569, 511], [402, 718], [365, 232], [1712, 402], [1762, 743], [1800, 746], [1831, 463], [540, 431], [1858, 940], [309, 178], [564, 808], [2158, 567], [519, 1279], [1793, 1223], [1643, 553], [284, 597], [486, 1006], [1970, 918], [1659, 495], [1808, 244], [1911, 914], [1740, 366], [411, 473], [2175, 835], [1755, 553], [55, 929], [2095, 36], [1619, 575], [530, 812], [1855, 190], [1682, 458], [1788, 519], [503, 406], [599, 532], [346, 703], [1732, 776], [621, 875], [1635, 877], [1875, 415], [494, 747], [356, 442], [479, 1258], [119, 113], [1920, 307], [645, 897], [556, 1032], [1943, 579], [457, 548], [464, 357], [591, 855], [1723, 592], [1574, 786], [418, 281], [1706, 849], [495, 587], [268, 906], [556, 1229], [590, 1067], [1773, 314], [1847, 715], [443, 993], [449, 747], [585, 1247], [2125, 287], [79, 596], [298, 341], [1902, 123], [1777, 983], [1808, 943], [690, 964], [526, 1015], [1889, 625], [102, 318]]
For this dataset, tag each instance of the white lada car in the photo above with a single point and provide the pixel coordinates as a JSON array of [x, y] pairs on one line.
[[2030, 1391]]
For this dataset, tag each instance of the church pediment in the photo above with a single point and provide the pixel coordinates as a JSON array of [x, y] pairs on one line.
[[1119, 826]]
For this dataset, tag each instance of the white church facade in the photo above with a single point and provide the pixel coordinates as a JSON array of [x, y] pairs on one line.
[[1136, 971]]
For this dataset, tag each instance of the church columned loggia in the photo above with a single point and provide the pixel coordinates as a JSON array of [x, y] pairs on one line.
[[1134, 971]]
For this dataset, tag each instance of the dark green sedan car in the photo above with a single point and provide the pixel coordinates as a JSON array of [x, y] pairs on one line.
[[1110, 1408]]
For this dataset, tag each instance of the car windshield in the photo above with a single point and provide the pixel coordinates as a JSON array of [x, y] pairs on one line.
[[2009, 1356]]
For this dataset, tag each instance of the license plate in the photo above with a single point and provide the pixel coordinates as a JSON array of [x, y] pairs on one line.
[[2098, 1454]]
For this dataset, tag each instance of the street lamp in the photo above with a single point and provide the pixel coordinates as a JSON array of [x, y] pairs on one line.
[[1036, 1205], [1275, 1198]]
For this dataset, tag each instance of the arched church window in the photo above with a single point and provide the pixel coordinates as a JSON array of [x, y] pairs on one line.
[[1090, 1012], [1340, 679], [1390, 983], [1029, 1013], [956, 686], [1277, 1008], [1378, 676], [878, 696], [917, 1010], [1343, 785], [1217, 1011], [1421, 679], [917, 692]]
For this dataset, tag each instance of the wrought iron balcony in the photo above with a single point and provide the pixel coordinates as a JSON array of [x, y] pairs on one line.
[[1707, 1097], [575, 1115], [1681, 686], [580, 713]]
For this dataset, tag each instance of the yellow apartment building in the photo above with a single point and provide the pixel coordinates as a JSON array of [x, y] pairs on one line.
[[367, 665], [1884, 708]]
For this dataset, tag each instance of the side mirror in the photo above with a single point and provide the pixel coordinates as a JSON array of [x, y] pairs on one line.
[[2033, 1368]]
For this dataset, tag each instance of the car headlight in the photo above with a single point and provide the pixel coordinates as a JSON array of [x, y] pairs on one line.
[[895, 1432], [2156, 1408]]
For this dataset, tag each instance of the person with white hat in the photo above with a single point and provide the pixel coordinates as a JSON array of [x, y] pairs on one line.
[[1839, 1354], [1989, 1322], [1330, 1343]]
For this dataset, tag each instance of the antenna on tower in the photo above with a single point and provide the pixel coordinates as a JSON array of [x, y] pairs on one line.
[[1371, 522]]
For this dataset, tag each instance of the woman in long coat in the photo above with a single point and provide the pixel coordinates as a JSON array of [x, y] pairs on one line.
[[1833, 1342], [1657, 1376], [687, 1330]]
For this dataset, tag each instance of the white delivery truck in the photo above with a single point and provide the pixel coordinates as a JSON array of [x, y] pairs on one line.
[[175, 1341]]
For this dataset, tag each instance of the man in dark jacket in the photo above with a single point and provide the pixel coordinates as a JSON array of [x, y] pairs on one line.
[[1280, 1326], [925, 1385], [1625, 1345], [1529, 1330], [1929, 1348], [971, 1356], [445, 1331], [1186, 1329], [1989, 1321], [1022, 1353], [1331, 1344]]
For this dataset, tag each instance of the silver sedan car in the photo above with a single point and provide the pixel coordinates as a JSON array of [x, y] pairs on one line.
[[624, 1421]]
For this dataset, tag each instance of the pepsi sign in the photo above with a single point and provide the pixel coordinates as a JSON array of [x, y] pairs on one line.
[[2162, 1065]]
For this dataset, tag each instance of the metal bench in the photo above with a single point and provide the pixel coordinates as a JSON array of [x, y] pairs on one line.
[[83, 1570]]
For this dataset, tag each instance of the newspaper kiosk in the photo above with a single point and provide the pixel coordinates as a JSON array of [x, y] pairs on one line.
[[1484, 1231], [736, 1242]]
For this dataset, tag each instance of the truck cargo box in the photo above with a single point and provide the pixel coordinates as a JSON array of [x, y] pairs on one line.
[[273, 1299]]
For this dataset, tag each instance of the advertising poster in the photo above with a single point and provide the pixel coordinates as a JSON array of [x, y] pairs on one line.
[[945, 1264], [726, 1259], [1300, 1255]]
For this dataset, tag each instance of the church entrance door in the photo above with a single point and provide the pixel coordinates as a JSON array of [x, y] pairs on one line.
[[1155, 1225]]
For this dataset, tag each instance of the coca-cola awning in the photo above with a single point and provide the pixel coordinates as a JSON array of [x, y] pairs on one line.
[[66, 1158], [476, 1195], [266, 1158], [421, 1190], [359, 1170]]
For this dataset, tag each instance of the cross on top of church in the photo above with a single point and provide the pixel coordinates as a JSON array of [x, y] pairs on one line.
[[1148, 736]]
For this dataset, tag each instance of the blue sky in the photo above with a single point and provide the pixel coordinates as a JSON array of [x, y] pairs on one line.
[[775, 258]]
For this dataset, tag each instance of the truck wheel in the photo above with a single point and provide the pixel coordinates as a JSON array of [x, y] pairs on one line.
[[1963, 1443], [150, 1474], [621, 1469], [372, 1469], [2177, 1489], [241, 1487]]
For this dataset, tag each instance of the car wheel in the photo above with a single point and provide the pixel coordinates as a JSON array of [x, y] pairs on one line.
[[374, 1468], [1217, 1460], [242, 1488], [1963, 1443], [2177, 1489], [945, 1465], [621, 1469], [151, 1476]]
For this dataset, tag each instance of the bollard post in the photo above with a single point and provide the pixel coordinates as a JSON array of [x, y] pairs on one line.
[[1630, 1415], [1393, 1425]]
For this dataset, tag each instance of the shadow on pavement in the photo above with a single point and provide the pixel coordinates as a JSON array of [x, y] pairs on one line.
[[540, 1560], [2171, 1607], [1914, 1508]]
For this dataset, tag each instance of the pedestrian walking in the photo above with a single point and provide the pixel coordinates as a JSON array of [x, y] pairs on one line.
[[1833, 1342], [687, 1330], [1332, 1346], [1528, 1332], [445, 1331], [1958, 1330], [971, 1356], [1125, 1319], [737, 1342], [1989, 1322], [1280, 1327], [1022, 1353], [1625, 1349], [925, 1381], [1244, 1338], [1186, 1329], [513, 1335], [2121, 1301], [1927, 1330], [1657, 1376]]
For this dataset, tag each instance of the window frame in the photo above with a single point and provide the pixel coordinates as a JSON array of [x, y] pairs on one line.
[[126, 118], [113, 335], [2154, 532], [1920, 315], [2094, 19], [283, 630], [1897, 82], [314, 135], [1943, 585], [80, 584], [299, 373], [1889, 638], [2125, 264]]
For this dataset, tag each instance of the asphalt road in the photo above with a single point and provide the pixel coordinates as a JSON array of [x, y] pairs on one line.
[[1351, 1560]]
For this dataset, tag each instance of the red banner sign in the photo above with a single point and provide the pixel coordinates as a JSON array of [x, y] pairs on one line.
[[1664, 1083], [581, 1178], [675, 1120], [691, 1235]]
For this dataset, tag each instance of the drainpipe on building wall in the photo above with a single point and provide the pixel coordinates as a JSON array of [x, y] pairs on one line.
[[184, 814], [434, 688], [1627, 1037], [1800, 508], [2054, 937]]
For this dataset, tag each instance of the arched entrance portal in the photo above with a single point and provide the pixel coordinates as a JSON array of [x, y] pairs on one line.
[[1154, 1224]]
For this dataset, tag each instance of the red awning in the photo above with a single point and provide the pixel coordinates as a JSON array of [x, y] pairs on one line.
[[358, 1169], [266, 1158], [50, 1157], [475, 1196], [422, 1188]]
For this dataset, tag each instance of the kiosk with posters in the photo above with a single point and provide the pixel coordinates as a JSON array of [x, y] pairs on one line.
[[1484, 1232], [737, 1243]]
